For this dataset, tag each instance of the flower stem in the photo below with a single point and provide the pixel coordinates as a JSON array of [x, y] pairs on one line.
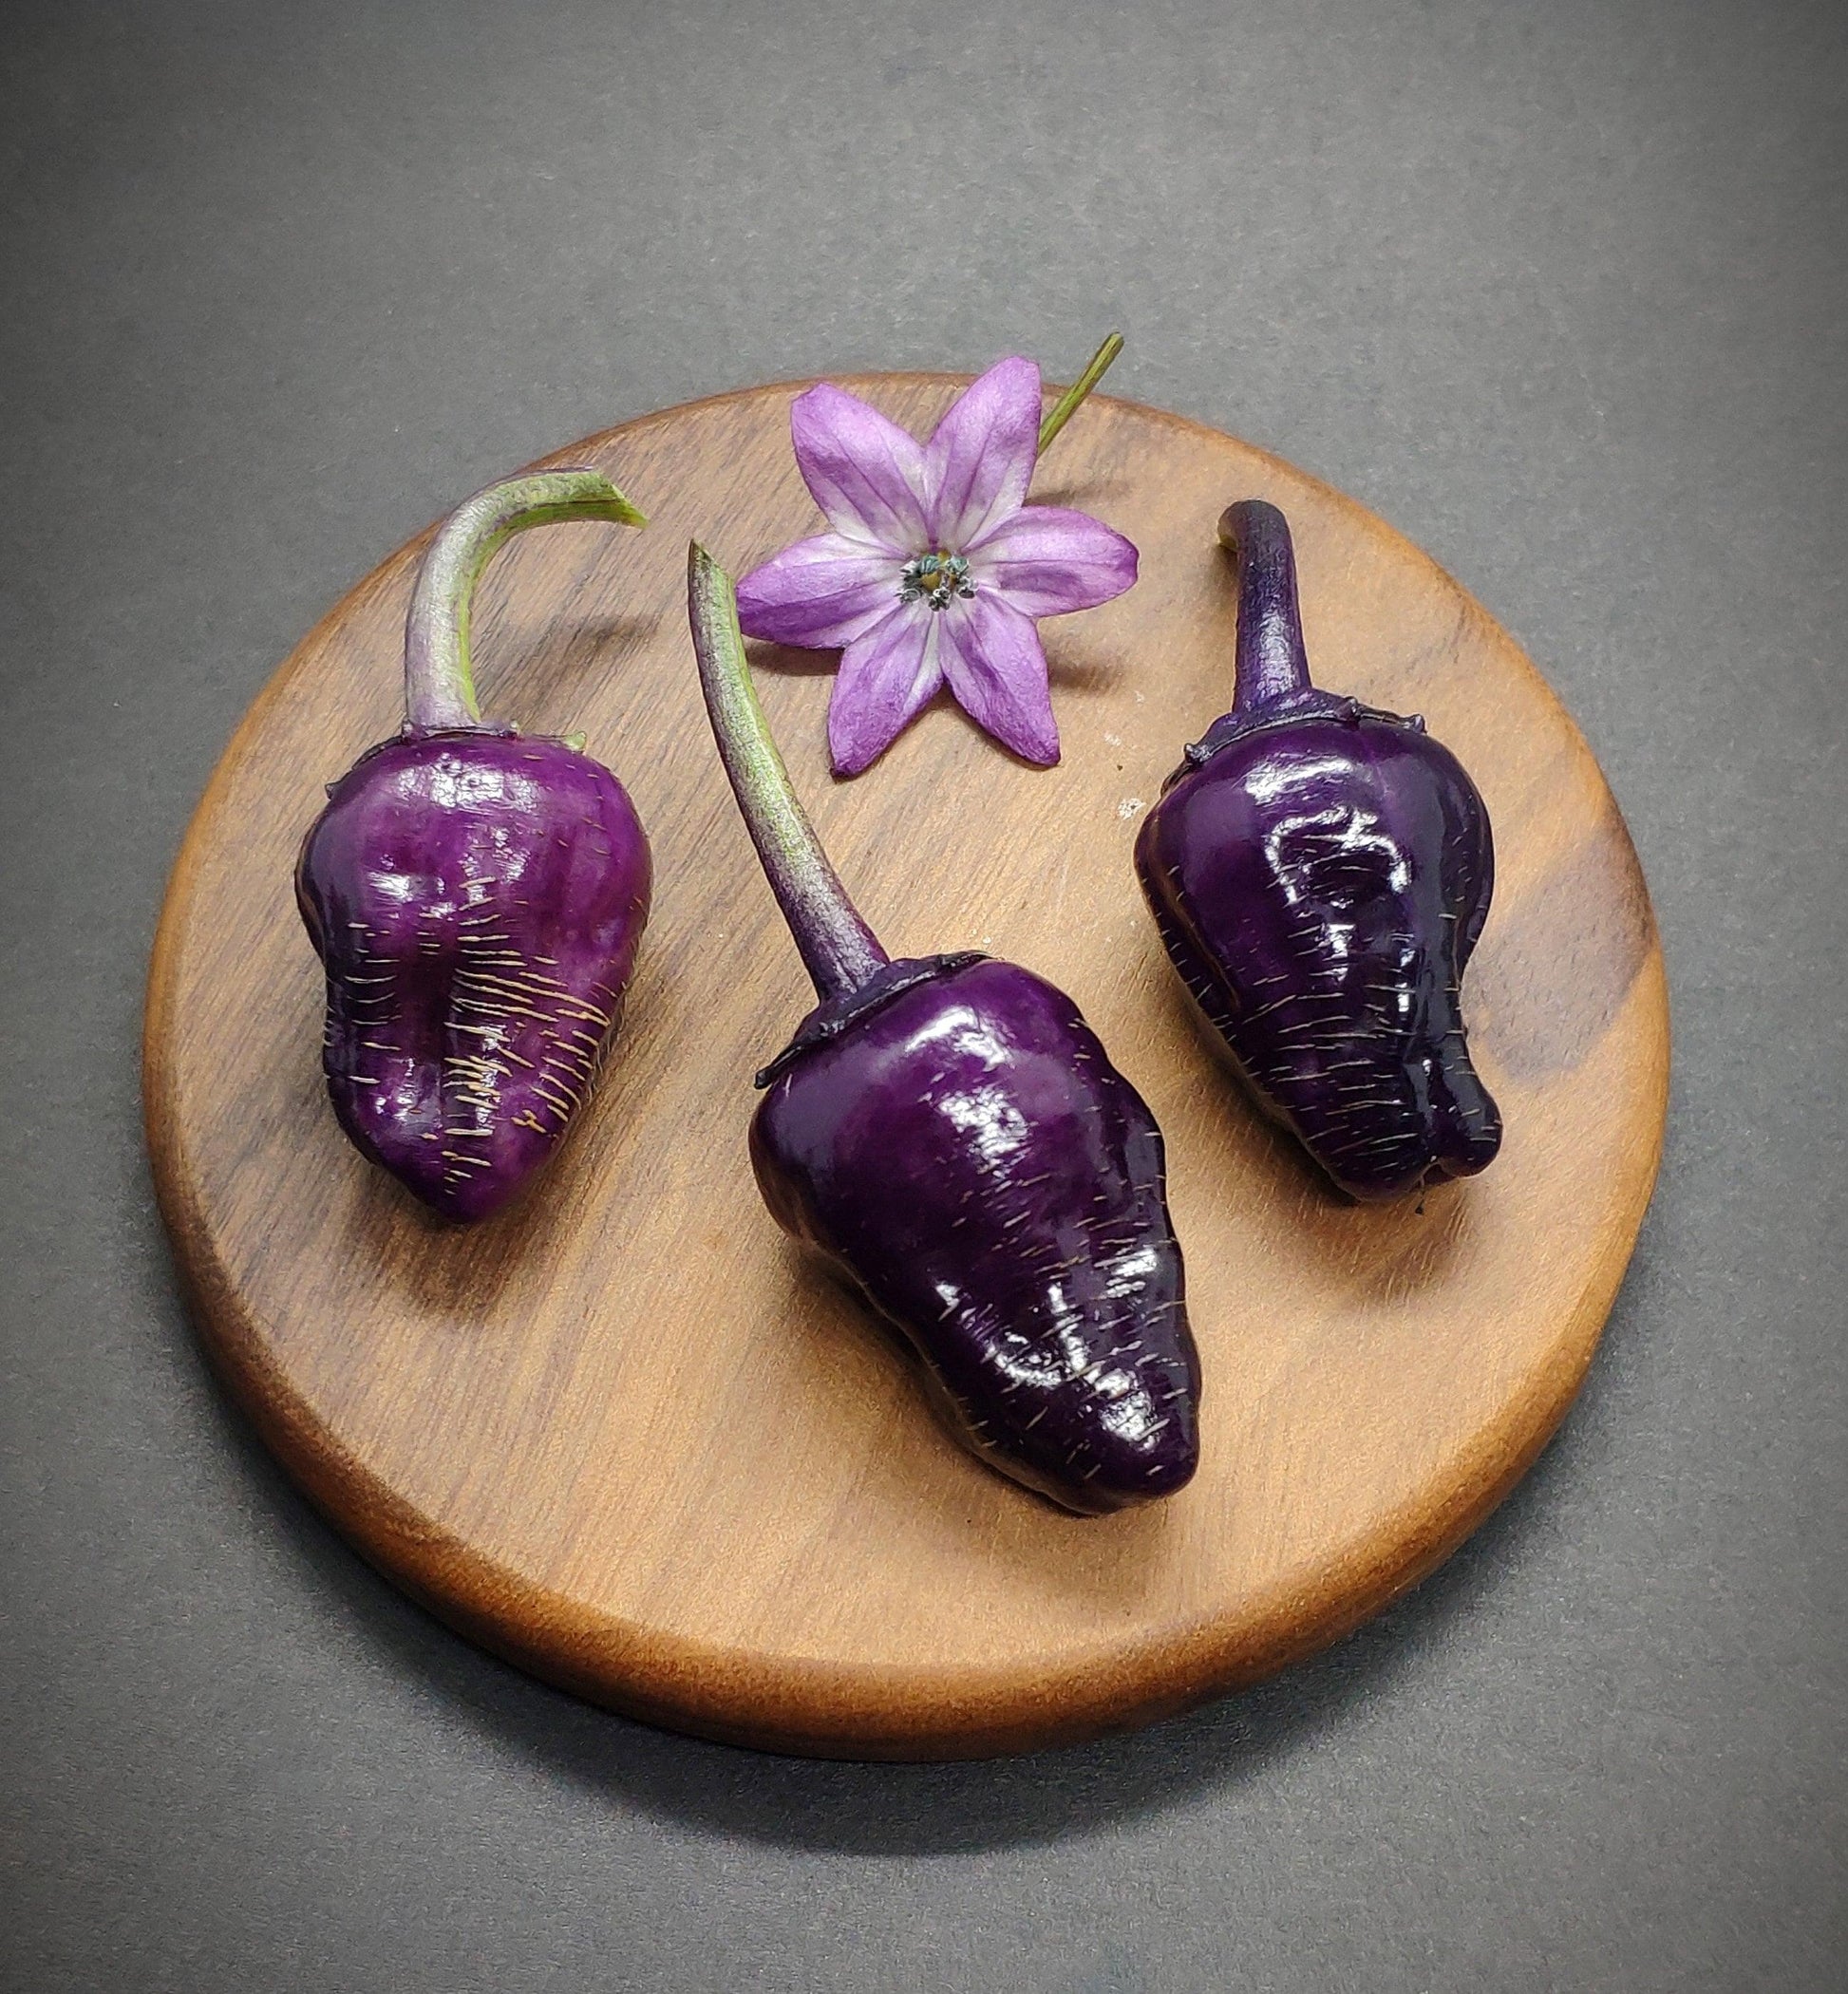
[[1067, 406], [1271, 662], [439, 677], [837, 949]]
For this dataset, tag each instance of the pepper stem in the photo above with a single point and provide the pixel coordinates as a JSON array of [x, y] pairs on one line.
[[1067, 406], [839, 949], [1271, 662], [439, 677]]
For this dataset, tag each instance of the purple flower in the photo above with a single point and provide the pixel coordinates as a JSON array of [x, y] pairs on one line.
[[933, 570]]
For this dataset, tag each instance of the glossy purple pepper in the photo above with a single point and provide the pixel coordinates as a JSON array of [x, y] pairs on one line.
[[1320, 871], [951, 1134], [475, 895]]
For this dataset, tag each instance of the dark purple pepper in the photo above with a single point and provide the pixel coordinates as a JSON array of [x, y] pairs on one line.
[[1320, 871], [475, 895], [949, 1133]]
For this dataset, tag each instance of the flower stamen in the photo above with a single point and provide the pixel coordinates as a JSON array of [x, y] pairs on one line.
[[936, 579]]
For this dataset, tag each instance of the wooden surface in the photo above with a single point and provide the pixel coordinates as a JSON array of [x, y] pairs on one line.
[[623, 1434]]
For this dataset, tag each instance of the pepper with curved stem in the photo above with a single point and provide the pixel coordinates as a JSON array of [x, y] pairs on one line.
[[949, 1133], [1320, 871], [475, 895]]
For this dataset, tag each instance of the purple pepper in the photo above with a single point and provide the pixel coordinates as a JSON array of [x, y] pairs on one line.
[[951, 1136], [475, 895], [1320, 871]]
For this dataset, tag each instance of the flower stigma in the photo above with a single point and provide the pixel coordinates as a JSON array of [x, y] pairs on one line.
[[935, 578]]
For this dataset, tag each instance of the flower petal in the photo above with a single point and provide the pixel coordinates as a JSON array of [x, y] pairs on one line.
[[819, 593], [993, 657], [865, 472], [979, 460], [1046, 561], [885, 677]]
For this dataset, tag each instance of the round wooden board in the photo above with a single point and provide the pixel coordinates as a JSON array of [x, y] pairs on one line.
[[624, 1435]]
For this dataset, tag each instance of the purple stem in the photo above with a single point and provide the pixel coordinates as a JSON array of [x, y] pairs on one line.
[[839, 949], [1271, 662]]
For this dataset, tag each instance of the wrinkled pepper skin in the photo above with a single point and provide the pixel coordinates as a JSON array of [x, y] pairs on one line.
[[1320, 872], [967, 1154], [477, 897]]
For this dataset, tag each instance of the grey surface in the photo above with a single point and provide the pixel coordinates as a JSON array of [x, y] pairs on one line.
[[1560, 291]]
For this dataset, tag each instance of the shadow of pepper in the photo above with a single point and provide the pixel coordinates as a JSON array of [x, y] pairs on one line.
[[446, 1270], [924, 1472], [1400, 1246], [458, 1272]]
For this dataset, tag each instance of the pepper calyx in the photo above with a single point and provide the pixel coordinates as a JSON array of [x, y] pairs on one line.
[[828, 1020]]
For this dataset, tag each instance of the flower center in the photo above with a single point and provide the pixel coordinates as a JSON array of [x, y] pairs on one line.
[[936, 578]]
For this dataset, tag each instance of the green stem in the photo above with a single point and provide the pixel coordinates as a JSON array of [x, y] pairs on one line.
[[438, 676], [839, 949], [1067, 406]]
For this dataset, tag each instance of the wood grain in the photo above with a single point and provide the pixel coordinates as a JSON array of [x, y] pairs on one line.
[[622, 1434]]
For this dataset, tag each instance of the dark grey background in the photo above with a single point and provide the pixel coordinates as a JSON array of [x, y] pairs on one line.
[[1559, 290]]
